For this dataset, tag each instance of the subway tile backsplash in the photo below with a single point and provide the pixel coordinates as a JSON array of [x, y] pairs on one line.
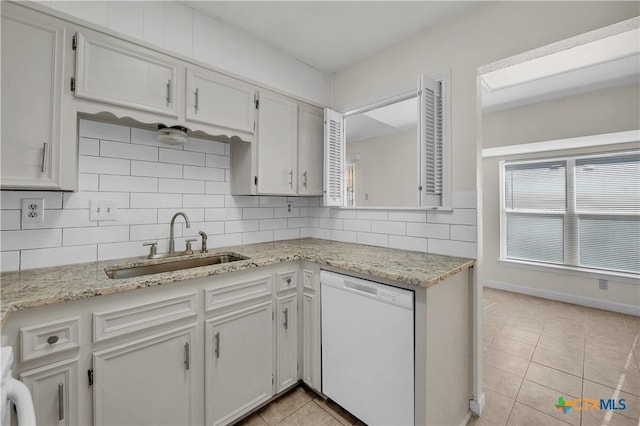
[[150, 181]]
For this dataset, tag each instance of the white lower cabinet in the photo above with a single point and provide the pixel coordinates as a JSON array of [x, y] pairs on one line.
[[147, 381], [238, 362], [287, 341], [54, 392], [208, 350]]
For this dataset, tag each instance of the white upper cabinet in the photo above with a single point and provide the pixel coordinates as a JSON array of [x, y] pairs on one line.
[[310, 155], [116, 72], [223, 101], [31, 102], [277, 142]]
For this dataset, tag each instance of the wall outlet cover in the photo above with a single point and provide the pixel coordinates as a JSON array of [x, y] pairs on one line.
[[102, 210], [32, 210]]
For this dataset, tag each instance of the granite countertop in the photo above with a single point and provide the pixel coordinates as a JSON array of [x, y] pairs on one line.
[[47, 286]]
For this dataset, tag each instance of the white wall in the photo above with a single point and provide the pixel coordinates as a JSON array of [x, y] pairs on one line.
[[397, 186], [150, 181], [179, 28], [492, 31], [603, 111]]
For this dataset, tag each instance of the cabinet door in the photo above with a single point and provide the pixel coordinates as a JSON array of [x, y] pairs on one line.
[[146, 382], [287, 341], [311, 329], [54, 389], [220, 100], [118, 73], [310, 150], [277, 140], [238, 362], [31, 103]]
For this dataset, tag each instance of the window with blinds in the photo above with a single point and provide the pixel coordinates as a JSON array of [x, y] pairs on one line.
[[581, 211]]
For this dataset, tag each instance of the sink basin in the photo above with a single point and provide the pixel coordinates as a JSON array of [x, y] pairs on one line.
[[137, 271]]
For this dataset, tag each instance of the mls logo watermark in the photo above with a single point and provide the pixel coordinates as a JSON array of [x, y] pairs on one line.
[[585, 404]]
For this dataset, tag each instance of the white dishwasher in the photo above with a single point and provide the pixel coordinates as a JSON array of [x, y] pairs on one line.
[[368, 348]]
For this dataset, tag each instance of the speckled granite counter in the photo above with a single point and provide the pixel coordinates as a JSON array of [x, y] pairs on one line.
[[47, 286]]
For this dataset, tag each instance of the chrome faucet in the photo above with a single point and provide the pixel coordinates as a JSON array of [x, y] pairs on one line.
[[172, 242]]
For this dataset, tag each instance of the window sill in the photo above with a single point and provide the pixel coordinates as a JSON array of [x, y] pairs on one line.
[[575, 271]]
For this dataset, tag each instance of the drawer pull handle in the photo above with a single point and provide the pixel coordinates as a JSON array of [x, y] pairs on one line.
[[43, 165], [169, 92], [286, 318], [60, 401], [52, 339], [187, 355]]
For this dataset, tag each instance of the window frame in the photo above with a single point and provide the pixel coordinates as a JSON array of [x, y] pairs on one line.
[[571, 217]]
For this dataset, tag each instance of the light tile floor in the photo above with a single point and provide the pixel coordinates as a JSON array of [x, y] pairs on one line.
[[535, 350], [301, 407]]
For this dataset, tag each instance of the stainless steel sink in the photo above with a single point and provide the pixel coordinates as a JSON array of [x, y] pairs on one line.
[[137, 271]]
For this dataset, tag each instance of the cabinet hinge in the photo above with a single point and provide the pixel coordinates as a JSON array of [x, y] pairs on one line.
[[273, 316], [273, 379], [255, 180], [74, 41], [73, 84], [256, 101], [420, 188], [90, 376]]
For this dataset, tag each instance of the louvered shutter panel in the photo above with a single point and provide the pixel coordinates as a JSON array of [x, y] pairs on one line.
[[431, 140], [334, 154]]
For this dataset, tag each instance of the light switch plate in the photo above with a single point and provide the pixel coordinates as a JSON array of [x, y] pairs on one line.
[[32, 210], [102, 210]]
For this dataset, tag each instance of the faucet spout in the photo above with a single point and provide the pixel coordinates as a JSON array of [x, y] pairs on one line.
[[172, 243]]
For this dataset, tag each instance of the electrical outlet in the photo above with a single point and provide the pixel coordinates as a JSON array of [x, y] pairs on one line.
[[603, 284], [102, 210], [289, 207], [32, 210]]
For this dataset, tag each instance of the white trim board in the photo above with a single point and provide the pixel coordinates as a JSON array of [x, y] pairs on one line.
[[562, 297], [563, 144]]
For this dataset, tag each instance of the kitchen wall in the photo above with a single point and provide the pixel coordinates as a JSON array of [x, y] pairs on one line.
[[489, 32], [598, 112], [179, 28], [150, 181], [397, 185], [452, 233]]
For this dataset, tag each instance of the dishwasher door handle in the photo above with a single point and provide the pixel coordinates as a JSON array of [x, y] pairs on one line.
[[360, 287]]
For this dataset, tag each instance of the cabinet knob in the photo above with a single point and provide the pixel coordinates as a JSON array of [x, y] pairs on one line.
[[52, 339], [288, 280]]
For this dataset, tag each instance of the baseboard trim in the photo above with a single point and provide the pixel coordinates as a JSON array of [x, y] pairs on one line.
[[466, 418], [563, 297], [477, 405]]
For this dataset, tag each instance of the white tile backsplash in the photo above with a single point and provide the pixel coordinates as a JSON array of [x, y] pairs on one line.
[[146, 168], [30, 239], [120, 163], [42, 258], [128, 150]]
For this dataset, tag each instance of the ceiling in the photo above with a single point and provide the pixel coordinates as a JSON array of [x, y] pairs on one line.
[[331, 35]]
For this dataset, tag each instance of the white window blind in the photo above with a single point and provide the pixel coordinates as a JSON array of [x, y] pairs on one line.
[[576, 211]]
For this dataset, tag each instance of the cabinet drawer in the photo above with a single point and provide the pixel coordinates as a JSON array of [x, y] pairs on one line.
[[46, 339], [287, 280], [224, 295], [109, 324]]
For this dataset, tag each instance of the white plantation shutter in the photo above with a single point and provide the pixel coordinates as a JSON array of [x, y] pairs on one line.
[[334, 157], [431, 142]]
